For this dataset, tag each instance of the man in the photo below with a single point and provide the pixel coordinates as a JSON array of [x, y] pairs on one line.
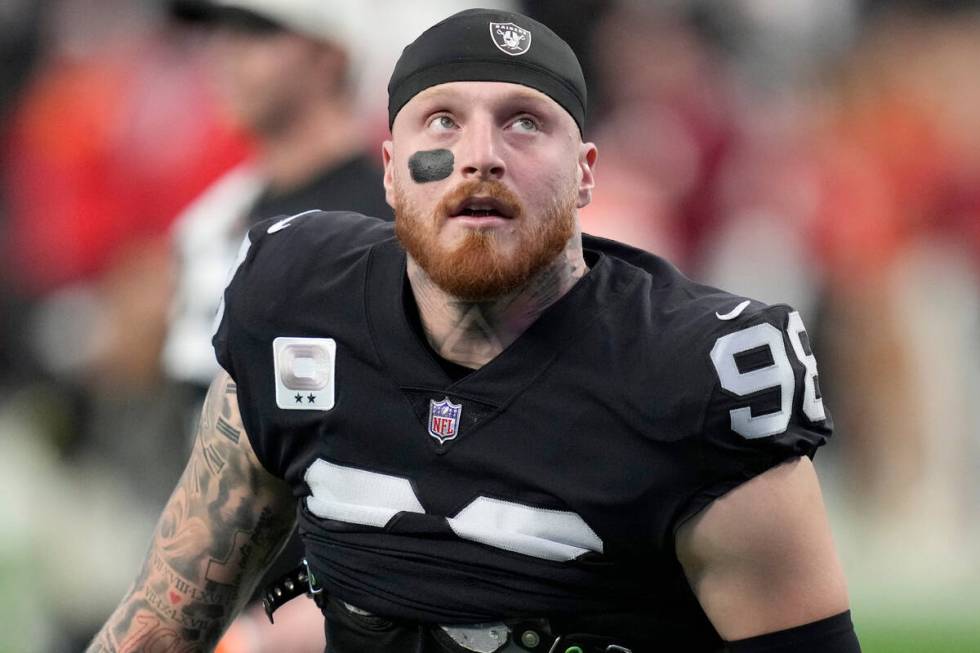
[[284, 70], [503, 435]]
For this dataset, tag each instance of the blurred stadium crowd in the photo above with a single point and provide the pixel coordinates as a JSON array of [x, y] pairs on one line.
[[821, 153]]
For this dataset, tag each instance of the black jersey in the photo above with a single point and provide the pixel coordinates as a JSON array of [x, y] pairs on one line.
[[551, 481]]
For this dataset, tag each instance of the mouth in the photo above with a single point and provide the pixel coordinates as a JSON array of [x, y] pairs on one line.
[[481, 207]]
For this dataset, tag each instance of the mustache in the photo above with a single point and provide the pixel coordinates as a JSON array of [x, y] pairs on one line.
[[481, 188]]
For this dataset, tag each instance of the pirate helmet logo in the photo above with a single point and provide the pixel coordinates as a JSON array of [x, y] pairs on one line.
[[510, 38]]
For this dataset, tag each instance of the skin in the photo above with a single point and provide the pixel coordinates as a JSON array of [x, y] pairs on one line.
[[434, 165], [223, 525], [759, 559], [496, 131]]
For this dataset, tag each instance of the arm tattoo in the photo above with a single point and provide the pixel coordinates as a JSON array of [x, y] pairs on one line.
[[224, 523]]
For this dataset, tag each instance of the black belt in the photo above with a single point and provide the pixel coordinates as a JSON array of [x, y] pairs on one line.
[[290, 585], [520, 636]]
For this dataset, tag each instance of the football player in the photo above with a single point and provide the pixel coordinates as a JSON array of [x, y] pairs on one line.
[[496, 433]]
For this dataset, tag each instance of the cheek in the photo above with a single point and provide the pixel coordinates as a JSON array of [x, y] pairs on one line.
[[401, 181], [553, 165], [419, 198], [541, 183], [422, 176], [431, 165]]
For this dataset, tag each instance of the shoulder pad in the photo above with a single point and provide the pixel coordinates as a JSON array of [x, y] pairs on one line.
[[763, 404], [298, 253]]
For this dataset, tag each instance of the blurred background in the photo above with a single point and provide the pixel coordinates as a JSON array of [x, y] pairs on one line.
[[823, 153]]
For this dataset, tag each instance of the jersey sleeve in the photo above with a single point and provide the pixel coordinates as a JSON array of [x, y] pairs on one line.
[[284, 270], [232, 342], [763, 406], [224, 325]]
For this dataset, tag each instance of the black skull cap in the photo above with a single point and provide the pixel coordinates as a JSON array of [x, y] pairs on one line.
[[486, 45]]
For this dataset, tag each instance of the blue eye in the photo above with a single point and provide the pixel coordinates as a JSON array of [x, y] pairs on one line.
[[442, 123], [525, 124]]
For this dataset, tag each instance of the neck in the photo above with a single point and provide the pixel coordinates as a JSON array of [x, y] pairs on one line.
[[471, 333], [320, 135]]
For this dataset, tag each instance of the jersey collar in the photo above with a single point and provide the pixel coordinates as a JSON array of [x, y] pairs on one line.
[[412, 365]]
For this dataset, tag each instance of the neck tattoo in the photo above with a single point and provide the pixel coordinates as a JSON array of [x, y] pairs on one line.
[[473, 333]]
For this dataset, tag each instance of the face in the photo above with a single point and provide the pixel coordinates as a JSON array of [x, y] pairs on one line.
[[485, 179], [265, 77]]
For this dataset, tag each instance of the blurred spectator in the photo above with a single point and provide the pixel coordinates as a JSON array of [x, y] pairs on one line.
[[101, 131], [663, 126], [99, 154], [89, 145], [897, 234], [286, 73]]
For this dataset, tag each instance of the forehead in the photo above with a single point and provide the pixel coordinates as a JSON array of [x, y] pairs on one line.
[[462, 96]]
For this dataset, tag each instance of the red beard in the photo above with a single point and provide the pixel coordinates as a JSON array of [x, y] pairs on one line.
[[477, 269]]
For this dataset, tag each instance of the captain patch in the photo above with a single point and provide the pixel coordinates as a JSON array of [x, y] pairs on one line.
[[304, 369]]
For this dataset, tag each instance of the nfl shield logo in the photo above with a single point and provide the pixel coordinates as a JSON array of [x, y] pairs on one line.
[[510, 38], [444, 419]]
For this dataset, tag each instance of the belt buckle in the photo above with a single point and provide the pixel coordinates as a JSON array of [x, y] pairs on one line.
[[310, 579], [479, 638]]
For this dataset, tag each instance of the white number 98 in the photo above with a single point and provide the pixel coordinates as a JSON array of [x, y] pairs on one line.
[[779, 374]]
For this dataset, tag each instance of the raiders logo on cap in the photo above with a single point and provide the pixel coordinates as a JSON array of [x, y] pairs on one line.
[[447, 52], [510, 38]]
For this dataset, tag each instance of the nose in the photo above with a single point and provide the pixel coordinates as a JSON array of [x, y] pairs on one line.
[[479, 151]]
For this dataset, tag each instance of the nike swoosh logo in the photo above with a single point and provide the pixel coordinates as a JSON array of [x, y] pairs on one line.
[[734, 313], [282, 224]]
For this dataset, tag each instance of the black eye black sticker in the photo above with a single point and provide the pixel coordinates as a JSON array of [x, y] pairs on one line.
[[431, 165]]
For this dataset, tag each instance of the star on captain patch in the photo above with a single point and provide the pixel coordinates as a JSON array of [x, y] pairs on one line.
[[444, 419], [304, 370]]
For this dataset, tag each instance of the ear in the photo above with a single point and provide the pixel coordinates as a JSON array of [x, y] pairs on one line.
[[588, 154], [389, 182]]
